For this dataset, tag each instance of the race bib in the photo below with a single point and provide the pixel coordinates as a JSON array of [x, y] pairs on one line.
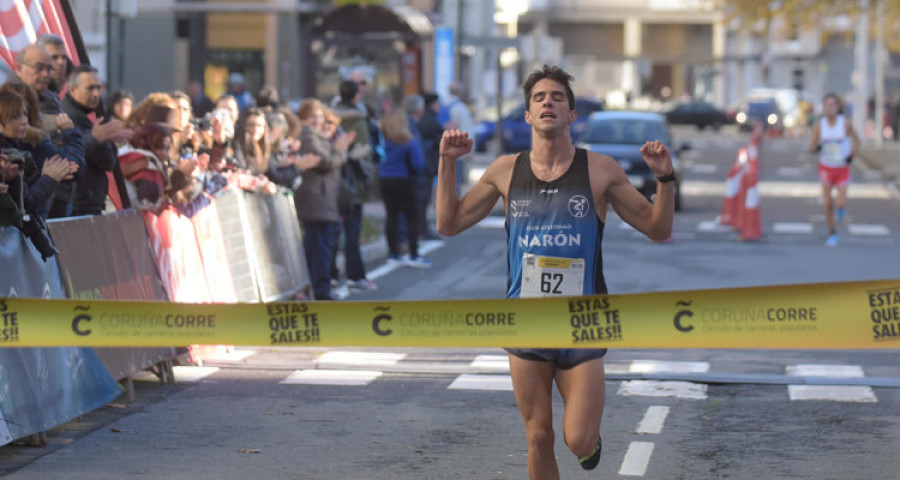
[[833, 155], [552, 276]]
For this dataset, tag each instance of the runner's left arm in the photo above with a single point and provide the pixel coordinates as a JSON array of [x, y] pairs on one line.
[[653, 220]]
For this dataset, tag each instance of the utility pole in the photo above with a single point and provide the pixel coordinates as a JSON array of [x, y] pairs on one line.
[[860, 68], [880, 58]]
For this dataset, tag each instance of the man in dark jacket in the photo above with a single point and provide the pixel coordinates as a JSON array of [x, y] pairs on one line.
[[34, 67], [81, 103], [431, 131]]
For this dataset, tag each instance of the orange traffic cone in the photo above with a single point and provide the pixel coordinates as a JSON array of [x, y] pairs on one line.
[[751, 223], [757, 134], [732, 187]]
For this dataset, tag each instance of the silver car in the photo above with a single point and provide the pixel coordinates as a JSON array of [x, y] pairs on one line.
[[621, 134]]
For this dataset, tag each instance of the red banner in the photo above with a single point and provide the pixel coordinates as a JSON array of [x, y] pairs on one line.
[[23, 21]]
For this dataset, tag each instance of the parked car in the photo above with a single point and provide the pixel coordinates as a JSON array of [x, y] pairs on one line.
[[697, 113], [621, 134], [517, 133], [764, 111]]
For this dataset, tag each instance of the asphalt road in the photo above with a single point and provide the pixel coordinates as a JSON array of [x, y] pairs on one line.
[[423, 413]]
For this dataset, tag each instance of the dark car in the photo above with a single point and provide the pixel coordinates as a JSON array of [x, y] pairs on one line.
[[763, 111], [621, 134], [697, 113], [517, 133]]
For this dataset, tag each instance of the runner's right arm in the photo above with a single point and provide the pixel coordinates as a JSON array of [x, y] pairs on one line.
[[454, 214], [814, 142]]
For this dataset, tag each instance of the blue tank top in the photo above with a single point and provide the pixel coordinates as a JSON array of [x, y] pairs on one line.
[[553, 232]]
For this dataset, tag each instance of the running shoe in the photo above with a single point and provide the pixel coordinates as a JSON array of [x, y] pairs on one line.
[[395, 259], [832, 240], [417, 262], [361, 285], [590, 461]]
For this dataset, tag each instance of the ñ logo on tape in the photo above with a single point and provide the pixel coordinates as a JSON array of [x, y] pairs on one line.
[[377, 327], [679, 321], [82, 317]]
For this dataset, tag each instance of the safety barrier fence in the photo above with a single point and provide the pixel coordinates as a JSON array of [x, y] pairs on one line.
[[244, 247]]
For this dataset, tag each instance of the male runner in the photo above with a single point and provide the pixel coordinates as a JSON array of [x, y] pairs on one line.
[[551, 189], [837, 143]]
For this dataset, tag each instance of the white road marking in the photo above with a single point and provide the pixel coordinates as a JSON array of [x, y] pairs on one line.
[[233, 356], [653, 420], [331, 377], [188, 374], [636, 459], [792, 171], [875, 230], [784, 189], [360, 358], [713, 226], [425, 248], [704, 168], [499, 362], [822, 370], [475, 174], [836, 393], [792, 227], [856, 394], [653, 366], [649, 388], [492, 221], [468, 381]]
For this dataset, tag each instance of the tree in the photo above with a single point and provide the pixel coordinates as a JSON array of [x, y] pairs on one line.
[[759, 15]]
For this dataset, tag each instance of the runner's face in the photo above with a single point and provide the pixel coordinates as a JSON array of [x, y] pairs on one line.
[[549, 106], [830, 107]]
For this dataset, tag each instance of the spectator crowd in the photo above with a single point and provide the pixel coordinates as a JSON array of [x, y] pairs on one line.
[[69, 148]]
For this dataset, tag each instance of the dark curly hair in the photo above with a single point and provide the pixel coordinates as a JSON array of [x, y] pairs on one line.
[[550, 72]]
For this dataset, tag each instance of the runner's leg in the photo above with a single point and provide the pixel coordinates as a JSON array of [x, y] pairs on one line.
[[829, 207], [582, 388], [533, 384], [841, 201]]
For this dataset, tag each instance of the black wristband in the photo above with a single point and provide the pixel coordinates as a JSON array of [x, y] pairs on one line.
[[667, 178]]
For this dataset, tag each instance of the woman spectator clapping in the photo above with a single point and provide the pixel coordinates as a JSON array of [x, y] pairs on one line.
[[43, 165]]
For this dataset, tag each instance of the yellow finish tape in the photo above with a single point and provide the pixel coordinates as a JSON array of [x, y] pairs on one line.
[[830, 315]]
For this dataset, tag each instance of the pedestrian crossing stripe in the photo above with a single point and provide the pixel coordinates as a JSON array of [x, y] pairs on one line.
[[800, 228], [653, 388], [635, 388], [785, 189], [468, 381], [834, 393], [864, 229], [331, 377], [790, 227]]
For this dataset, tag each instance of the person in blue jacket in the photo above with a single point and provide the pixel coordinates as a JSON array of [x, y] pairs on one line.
[[403, 163]]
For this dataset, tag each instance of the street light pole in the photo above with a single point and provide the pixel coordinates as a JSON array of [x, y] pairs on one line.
[[860, 68], [879, 74]]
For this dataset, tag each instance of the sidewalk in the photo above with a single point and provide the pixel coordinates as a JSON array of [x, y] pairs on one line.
[[885, 160], [374, 250]]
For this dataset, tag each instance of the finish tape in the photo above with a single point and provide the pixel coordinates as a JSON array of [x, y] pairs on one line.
[[863, 315]]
